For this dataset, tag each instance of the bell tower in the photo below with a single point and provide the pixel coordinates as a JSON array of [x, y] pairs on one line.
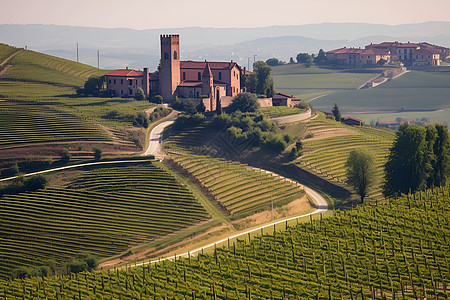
[[169, 75]]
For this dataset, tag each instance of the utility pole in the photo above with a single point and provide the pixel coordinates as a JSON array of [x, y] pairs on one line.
[[98, 59], [77, 53]]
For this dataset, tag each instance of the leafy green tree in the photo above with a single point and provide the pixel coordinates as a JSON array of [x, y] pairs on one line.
[[274, 62], [336, 113], [98, 152], [158, 99], [304, 58], [408, 165], [140, 95], [360, 171], [141, 120], [321, 58], [35, 183], [264, 80], [291, 60], [218, 107], [244, 102], [94, 86], [441, 156]]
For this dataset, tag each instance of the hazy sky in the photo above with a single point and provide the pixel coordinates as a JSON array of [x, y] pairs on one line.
[[146, 14]]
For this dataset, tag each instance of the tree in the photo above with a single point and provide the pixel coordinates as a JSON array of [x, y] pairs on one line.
[[244, 102], [291, 60], [97, 153], [360, 171], [93, 86], [218, 107], [304, 58], [274, 62], [263, 79], [35, 183], [201, 107], [381, 62], [336, 113], [140, 95], [321, 58], [65, 156], [440, 161], [408, 165]]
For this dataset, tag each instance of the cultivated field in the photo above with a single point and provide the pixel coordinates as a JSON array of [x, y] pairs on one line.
[[329, 143], [395, 249], [417, 92], [239, 188], [103, 212], [279, 111], [308, 83]]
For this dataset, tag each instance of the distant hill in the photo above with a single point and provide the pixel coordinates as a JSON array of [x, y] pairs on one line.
[[138, 48]]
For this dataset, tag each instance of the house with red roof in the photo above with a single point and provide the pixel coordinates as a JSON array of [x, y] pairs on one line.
[[210, 81]]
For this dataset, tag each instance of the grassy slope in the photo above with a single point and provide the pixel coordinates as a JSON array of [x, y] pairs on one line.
[[412, 91], [396, 246], [327, 152], [50, 83], [307, 83]]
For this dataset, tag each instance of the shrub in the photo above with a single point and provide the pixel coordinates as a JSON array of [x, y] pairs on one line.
[[158, 99], [140, 95], [303, 105], [221, 121], [201, 108], [244, 102], [141, 120], [189, 120], [97, 153], [65, 156]]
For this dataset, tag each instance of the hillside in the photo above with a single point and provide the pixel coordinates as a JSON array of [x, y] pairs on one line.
[[37, 96], [398, 248], [102, 212]]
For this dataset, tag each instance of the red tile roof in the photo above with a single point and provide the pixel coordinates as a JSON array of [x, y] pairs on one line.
[[125, 73], [353, 119], [285, 95], [370, 51], [190, 83], [213, 65]]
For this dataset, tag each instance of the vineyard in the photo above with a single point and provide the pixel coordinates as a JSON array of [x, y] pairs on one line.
[[239, 188], [327, 151], [21, 123], [102, 212], [395, 249]]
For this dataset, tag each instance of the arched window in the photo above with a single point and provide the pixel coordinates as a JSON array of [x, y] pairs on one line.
[[175, 55]]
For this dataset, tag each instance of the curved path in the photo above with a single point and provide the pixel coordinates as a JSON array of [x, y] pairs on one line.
[[154, 148], [292, 118]]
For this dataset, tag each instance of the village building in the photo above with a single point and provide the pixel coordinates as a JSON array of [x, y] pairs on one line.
[[416, 54], [352, 121], [281, 99], [209, 81]]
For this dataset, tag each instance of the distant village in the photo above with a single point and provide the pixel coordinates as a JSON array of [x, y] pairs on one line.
[[408, 54]]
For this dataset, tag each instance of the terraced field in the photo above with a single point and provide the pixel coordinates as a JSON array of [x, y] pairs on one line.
[[327, 151], [396, 249], [103, 212], [237, 187], [22, 124]]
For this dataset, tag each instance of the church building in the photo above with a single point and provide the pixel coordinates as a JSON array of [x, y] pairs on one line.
[[209, 81]]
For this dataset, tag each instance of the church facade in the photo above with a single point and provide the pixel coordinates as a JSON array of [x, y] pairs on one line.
[[209, 81]]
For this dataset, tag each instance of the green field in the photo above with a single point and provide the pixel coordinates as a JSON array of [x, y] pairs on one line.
[[239, 188], [308, 83], [417, 92], [103, 212], [373, 252]]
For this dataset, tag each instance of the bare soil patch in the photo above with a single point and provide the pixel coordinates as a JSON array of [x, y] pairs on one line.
[[293, 208], [330, 132]]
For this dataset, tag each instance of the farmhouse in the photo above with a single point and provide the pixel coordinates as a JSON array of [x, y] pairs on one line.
[[352, 121], [282, 99], [210, 81], [417, 54]]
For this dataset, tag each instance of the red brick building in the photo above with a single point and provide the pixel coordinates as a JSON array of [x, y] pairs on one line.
[[210, 81]]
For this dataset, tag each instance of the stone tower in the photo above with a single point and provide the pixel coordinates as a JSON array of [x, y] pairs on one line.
[[169, 75]]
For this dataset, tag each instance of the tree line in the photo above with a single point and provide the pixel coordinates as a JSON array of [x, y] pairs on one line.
[[419, 159]]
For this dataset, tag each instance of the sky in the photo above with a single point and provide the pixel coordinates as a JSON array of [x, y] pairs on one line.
[[149, 14]]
